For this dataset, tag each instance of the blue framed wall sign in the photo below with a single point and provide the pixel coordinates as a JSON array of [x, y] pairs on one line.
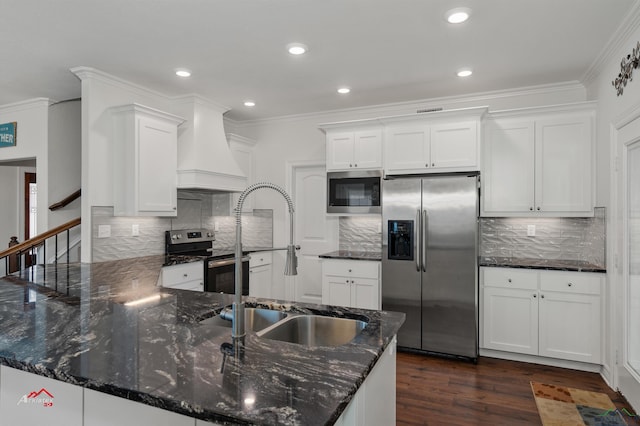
[[8, 134]]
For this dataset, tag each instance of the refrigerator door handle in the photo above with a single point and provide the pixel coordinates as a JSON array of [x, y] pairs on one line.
[[417, 241], [425, 231]]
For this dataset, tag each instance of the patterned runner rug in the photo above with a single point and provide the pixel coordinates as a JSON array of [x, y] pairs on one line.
[[564, 406]]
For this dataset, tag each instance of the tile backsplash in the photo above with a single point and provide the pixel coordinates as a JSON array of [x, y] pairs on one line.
[[360, 233], [555, 238], [195, 210]]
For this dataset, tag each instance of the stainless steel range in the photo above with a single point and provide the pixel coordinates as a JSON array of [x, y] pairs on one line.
[[218, 263]]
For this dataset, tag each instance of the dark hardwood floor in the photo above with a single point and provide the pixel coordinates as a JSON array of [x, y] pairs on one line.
[[440, 391]]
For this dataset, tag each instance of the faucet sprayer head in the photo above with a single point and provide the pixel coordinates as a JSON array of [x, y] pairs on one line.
[[291, 264]]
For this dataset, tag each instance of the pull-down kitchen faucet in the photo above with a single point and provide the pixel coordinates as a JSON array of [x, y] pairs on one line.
[[291, 265]]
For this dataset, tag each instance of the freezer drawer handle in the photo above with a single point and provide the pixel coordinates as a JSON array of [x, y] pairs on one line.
[[425, 231]]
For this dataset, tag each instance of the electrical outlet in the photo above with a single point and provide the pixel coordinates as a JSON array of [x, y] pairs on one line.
[[104, 231], [216, 226], [531, 230], [135, 230]]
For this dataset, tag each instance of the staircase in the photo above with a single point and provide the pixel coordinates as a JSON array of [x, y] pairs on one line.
[[59, 240]]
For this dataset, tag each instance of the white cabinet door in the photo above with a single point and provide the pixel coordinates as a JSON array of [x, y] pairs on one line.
[[508, 162], [570, 326], [570, 313], [352, 283], [367, 149], [563, 165], [158, 162], [145, 158], [361, 149], [455, 145], [556, 314], [340, 151], [539, 165], [407, 148], [510, 320], [365, 293], [336, 291]]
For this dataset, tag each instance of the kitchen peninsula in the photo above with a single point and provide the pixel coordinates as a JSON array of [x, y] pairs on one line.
[[102, 342]]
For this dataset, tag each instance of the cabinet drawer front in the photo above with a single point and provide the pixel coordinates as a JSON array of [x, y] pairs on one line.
[[510, 278], [178, 274], [351, 268], [195, 285], [572, 282], [260, 258]]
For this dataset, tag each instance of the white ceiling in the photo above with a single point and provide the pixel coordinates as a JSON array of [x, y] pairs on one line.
[[385, 50]]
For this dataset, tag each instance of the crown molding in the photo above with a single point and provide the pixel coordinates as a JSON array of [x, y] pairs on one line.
[[25, 105], [400, 108], [85, 73], [615, 44]]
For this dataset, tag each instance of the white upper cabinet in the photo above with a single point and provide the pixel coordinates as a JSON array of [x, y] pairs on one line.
[[145, 150], [439, 142], [539, 162], [354, 150]]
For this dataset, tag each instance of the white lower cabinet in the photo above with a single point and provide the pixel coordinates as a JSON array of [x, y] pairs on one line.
[[101, 409], [185, 276], [375, 401], [351, 283], [555, 314], [260, 267]]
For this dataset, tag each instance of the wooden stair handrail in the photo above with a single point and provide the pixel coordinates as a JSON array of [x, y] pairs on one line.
[[35, 241], [62, 203]]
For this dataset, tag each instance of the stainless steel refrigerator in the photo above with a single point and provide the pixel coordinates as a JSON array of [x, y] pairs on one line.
[[429, 261]]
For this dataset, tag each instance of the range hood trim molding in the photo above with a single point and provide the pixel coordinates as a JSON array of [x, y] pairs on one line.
[[209, 180]]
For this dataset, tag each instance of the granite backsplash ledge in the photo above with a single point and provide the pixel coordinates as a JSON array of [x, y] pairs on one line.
[[578, 239]]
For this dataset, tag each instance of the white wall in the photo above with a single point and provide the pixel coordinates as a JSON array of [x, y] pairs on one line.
[[65, 162], [32, 117], [10, 201], [611, 108]]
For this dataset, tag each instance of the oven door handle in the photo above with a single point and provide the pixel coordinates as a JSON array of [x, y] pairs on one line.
[[225, 262]]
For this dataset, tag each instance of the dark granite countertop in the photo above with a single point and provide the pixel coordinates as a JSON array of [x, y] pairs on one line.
[[550, 264], [176, 259], [109, 328], [352, 255]]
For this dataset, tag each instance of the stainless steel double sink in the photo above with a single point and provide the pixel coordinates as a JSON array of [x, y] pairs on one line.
[[301, 329]]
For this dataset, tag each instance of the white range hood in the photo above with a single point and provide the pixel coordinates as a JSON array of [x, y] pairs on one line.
[[204, 159]]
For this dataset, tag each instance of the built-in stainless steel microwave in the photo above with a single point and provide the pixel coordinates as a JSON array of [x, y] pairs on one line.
[[356, 192]]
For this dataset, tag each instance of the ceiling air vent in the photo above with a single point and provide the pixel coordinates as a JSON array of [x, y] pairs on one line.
[[421, 111]]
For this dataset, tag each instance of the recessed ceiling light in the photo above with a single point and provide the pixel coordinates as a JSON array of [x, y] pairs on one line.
[[458, 15], [249, 103], [465, 73], [344, 90], [297, 48], [183, 73]]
